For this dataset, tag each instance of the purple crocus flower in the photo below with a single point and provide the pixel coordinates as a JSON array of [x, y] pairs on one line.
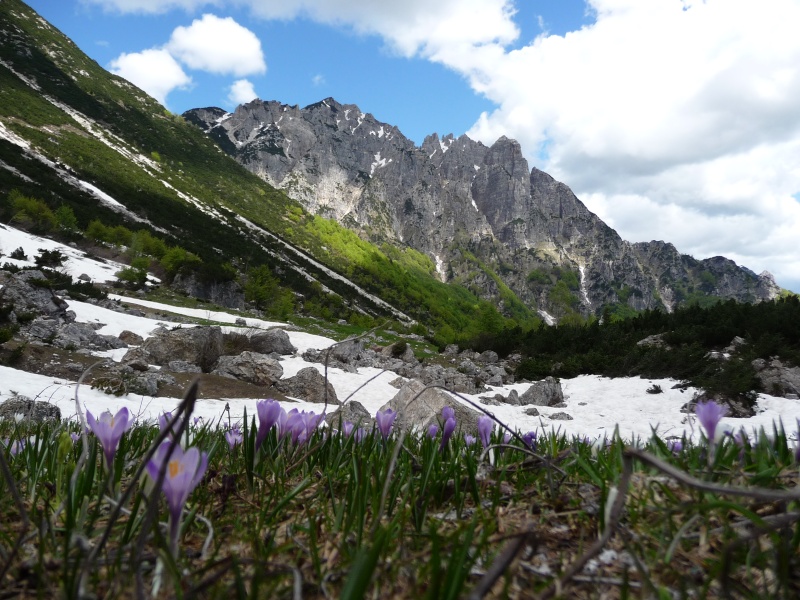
[[268, 413], [447, 431], [675, 446], [182, 474], [359, 434], [163, 421], [234, 436], [433, 430], [530, 440], [14, 447], [348, 428], [485, 426], [709, 415], [448, 413], [109, 429], [282, 423], [296, 425], [385, 419], [469, 439], [74, 436]]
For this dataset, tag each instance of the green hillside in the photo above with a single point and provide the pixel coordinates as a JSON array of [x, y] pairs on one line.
[[183, 189]]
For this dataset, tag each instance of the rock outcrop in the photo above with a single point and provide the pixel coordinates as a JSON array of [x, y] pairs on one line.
[[418, 407], [309, 385]]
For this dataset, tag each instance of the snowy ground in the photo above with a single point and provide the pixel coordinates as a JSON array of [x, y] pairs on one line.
[[597, 404]]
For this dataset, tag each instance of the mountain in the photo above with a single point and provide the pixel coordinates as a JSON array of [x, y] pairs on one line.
[[485, 218], [75, 137], [453, 238]]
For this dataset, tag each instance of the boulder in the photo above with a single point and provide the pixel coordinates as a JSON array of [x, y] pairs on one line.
[[252, 367], [547, 392], [738, 408], [31, 410], [352, 411], [272, 340], [131, 338], [84, 335], [201, 346], [181, 366], [28, 292], [561, 416], [489, 357], [418, 407], [345, 352], [309, 385], [777, 379], [653, 341]]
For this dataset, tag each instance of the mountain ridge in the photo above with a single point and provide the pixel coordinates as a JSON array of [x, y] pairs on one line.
[[455, 198]]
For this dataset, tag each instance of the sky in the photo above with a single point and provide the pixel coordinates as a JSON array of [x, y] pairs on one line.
[[673, 120]]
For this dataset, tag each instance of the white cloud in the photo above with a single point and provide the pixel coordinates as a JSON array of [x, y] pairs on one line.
[[150, 6], [218, 45], [241, 92], [153, 70], [318, 79]]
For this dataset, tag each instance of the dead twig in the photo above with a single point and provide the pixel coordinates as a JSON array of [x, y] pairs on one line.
[[503, 562]]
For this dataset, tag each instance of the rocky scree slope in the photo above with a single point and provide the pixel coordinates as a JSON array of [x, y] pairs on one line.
[[480, 213]]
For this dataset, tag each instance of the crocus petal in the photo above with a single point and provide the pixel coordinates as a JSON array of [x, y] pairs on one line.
[[433, 430], [485, 426], [530, 439], [447, 431], [710, 414], [385, 419], [448, 413], [269, 412]]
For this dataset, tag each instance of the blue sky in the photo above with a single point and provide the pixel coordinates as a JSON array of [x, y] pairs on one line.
[[307, 61], [672, 120]]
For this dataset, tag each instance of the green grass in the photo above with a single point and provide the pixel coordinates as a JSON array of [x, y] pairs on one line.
[[338, 517]]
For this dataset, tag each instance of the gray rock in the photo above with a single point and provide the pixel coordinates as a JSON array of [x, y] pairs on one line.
[[309, 385], [201, 346], [653, 341], [22, 291], [777, 379], [547, 392], [418, 408], [560, 416], [181, 366], [489, 357], [131, 338], [252, 367], [31, 410], [532, 412], [352, 411], [272, 340]]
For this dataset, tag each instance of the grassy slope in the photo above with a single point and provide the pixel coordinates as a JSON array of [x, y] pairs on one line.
[[190, 162]]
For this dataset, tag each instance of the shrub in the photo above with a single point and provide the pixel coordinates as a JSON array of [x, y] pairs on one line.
[[18, 254]]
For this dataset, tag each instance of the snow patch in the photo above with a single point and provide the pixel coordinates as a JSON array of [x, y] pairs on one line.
[[378, 163], [548, 318], [76, 264], [440, 268], [584, 289]]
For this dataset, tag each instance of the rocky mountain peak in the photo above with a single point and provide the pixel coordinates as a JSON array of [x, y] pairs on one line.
[[484, 217]]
